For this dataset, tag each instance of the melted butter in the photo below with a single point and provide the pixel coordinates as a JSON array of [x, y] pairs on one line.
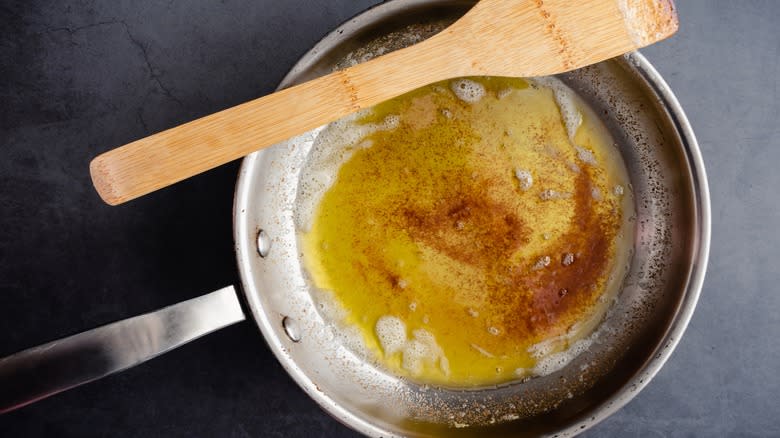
[[477, 237]]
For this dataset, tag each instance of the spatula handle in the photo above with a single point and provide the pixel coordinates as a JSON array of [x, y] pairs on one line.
[[170, 156]]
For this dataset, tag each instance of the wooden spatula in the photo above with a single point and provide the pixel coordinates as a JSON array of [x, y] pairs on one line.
[[519, 38]]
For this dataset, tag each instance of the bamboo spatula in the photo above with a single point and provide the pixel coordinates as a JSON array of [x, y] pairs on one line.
[[521, 38]]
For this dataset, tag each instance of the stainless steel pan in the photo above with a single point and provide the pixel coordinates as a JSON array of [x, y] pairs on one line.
[[645, 324]]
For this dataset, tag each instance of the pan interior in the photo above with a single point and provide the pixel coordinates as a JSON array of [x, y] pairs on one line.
[[470, 233], [658, 293]]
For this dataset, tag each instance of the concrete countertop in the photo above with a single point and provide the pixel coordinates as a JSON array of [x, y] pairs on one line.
[[79, 77]]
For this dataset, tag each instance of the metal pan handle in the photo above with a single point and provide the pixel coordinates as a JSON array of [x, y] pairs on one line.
[[42, 371]]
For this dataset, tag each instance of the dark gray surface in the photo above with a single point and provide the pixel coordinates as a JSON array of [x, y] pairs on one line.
[[79, 77]]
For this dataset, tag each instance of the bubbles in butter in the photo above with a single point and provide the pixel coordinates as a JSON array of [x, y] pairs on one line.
[[571, 116], [417, 352], [468, 90], [586, 156], [554, 361], [391, 332], [525, 178]]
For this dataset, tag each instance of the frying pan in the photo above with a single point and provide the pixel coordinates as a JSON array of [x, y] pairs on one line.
[[638, 334]]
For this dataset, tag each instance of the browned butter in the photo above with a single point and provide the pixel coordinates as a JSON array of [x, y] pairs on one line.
[[473, 231]]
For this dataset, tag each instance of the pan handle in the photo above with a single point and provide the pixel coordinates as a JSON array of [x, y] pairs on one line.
[[42, 371]]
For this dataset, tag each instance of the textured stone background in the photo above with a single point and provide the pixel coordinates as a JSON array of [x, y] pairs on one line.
[[78, 77]]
